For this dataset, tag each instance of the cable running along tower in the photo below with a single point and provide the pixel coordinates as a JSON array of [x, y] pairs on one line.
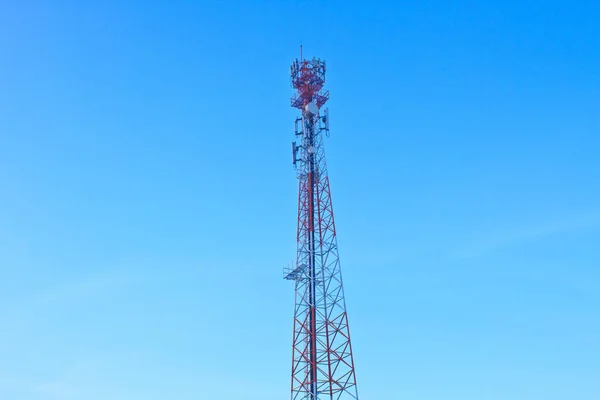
[[322, 362]]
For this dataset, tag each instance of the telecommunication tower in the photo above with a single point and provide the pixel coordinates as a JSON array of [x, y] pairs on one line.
[[322, 361]]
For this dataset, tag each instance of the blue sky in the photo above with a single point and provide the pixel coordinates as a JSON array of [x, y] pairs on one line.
[[148, 201]]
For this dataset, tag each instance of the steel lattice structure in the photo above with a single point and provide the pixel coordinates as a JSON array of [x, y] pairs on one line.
[[322, 361]]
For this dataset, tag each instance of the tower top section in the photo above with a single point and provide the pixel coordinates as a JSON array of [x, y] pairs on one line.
[[308, 78]]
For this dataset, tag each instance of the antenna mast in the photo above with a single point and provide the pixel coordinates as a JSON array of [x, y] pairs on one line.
[[322, 360]]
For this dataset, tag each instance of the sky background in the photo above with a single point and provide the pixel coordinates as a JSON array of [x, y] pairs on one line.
[[148, 201]]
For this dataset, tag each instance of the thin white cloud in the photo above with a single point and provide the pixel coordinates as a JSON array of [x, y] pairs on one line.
[[529, 233], [57, 389]]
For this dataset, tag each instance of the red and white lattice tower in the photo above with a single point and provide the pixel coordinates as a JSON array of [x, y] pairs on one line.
[[322, 362]]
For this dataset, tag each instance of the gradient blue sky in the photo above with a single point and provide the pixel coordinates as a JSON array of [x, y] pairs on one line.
[[147, 199]]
